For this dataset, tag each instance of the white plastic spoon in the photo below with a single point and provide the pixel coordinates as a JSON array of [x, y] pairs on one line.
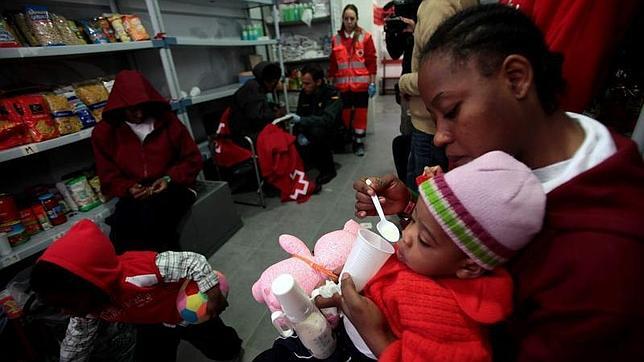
[[386, 228]]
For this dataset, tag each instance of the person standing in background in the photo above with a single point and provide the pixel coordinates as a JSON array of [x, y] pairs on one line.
[[353, 70], [423, 152]]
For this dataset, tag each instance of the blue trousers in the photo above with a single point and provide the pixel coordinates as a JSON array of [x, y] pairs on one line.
[[423, 153]]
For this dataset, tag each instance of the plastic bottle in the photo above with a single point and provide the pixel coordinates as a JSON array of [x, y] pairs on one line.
[[299, 314]]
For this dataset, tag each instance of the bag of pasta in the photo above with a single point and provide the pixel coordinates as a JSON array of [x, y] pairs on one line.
[[66, 121], [7, 36], [94, 95], [36, 117], [42, 26], [78, 107], [134, 28], [67, 34], [12, 130]]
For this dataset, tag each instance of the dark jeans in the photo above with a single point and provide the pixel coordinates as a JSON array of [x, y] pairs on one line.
[[291, 349], [400, 147], [423, 153], [150, 224], [213, 338], [318, 153]]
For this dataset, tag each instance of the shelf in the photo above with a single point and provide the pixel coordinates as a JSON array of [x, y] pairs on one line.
[[214, 42], [41, 241], [33, 148], [55, 51], [215, 93], [299, 61], [299, 22]]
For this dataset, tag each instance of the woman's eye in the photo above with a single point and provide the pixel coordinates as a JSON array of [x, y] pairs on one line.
[[424, 243], [451, 114]]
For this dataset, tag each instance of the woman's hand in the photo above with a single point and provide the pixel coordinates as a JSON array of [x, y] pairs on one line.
[[159, 186], [392, 192], [363, 313], [217, 302], [139, 192]]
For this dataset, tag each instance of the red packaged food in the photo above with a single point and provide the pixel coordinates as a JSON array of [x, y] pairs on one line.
[[12, 130], [36, 117], [41, 216], [29, 221], [8, 210]]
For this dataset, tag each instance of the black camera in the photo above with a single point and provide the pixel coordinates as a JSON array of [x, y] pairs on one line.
[[401, 8]]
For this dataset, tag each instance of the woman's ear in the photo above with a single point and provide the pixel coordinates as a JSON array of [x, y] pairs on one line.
[[517, 72], [469, 269]]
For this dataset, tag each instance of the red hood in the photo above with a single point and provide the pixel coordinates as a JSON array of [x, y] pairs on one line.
[[85, 251], [131, 88]]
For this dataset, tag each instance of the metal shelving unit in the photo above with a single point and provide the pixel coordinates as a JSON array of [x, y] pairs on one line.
[[67, 50], [33, 148], [41, 241], [307, 60], [214, 42]]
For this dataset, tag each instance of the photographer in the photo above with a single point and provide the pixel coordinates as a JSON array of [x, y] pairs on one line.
[[430, 14], [399, 38]]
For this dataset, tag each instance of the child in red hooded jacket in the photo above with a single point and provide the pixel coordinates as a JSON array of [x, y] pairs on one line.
[[81, 274]]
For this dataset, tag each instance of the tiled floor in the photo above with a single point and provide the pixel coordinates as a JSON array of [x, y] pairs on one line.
[[255, 247]]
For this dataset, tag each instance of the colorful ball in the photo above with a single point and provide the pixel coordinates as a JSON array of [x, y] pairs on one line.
[[192, 304]]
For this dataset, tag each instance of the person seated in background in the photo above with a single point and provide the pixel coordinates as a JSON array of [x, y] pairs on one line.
[[81, 274], [146, 157], [250, 110], [319, 113]]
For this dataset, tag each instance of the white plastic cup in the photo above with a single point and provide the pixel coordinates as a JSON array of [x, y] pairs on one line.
[[368, 255], [5, 247]]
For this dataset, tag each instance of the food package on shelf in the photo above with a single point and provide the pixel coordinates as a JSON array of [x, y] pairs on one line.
[[78, 107], [66, 32], [36, 117], [106, 28], [21, 23], [66, 121], [42, 26], [12, 130], [82, 193], [134, 28], [73, 26], [94, 95], [94, 31], [108, 82], [116, 20], [7, 36], [95, 183]]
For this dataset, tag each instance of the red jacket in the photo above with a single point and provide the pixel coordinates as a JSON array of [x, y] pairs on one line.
[[580, 283], [281, 165], [352, 61], [88, 253], [587, 33], [122, 160], [438, 320]]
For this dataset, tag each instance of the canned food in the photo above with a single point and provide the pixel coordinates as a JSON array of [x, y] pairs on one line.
[[41, 216], [16, 233], [54, 211], [8, 210], [29, 221]]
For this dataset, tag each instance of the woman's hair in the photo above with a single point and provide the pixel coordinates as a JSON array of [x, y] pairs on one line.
[[349, 7], [491, 33], [48, 278], [316, 72]]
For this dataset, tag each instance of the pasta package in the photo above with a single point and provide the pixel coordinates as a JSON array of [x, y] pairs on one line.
[[94, 31], [77, 32], [12, 130], [25, 30], [134, 28], [36, 117], [94, 95], [66, 121], [7, 37], [66, 33], [106, 28], [78, 107], [42, 26], [119, 29]]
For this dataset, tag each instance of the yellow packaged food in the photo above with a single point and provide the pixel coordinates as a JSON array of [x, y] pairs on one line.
[[66, 121], [119, 29], [94, 95], [134, 28]]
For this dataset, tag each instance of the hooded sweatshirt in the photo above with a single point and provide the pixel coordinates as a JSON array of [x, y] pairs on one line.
[[438, 320], [579, 293], [122, 159]]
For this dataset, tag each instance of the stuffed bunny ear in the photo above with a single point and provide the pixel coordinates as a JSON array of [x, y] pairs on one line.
[[352, 227], [294, 245]]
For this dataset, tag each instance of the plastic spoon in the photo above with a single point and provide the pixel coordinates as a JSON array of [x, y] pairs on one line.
[[386, 228]]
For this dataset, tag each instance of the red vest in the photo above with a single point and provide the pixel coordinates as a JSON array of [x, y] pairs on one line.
[[352, 74]]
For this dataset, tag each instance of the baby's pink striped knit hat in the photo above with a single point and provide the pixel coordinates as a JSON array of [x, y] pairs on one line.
[[490, 207]]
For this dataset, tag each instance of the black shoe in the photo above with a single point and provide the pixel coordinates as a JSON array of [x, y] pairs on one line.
[[324, 178], [358, 149]]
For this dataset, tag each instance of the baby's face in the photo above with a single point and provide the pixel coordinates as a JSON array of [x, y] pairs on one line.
[[426, 249]]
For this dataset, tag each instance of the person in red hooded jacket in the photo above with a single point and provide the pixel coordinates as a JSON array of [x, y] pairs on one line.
[[81, 274], [146, 157]]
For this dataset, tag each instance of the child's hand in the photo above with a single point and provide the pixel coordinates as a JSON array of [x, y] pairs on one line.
[[217, 302], [363, 313]]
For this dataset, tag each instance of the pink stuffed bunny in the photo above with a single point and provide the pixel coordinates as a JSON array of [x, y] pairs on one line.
[[331, 252]]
